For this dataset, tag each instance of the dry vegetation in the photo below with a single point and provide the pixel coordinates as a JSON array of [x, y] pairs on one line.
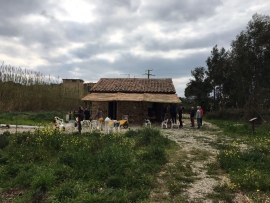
[[25, 90]]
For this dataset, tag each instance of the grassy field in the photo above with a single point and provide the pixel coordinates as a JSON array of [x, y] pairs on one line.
[[29, 118], [49, 166], [245, 156]]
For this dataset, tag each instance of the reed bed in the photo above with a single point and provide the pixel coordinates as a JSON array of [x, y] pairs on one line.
[[26, 90]]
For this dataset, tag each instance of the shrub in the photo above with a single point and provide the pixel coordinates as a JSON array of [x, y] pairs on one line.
[[231, 114], [55, 167], [68, 190], [4, 140], [22, 137], [131, 133], [67, 158], [43, 179]]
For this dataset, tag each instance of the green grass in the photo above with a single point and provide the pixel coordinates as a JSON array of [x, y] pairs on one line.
[[199, 154], [245, 156], [29, 118], [49, 166]]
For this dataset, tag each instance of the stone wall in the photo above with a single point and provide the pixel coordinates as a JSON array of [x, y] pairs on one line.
[[102, 105], [137, 111]]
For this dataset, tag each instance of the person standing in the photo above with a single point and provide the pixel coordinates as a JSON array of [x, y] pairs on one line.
[[163, 112], [173, 112], [192, 115], [99, 117], [80, 118], [201, 111], [180, 113], [198, 117], [69, 115], [86, 114]]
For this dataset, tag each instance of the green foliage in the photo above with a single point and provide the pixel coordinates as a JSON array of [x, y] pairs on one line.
[[43, 179], [233, 128], [4, 140], [238, 77], [223, 192], [131, 133], [67, 190], [226, 114], [246, 158], [82, 168], [29, 118], [199, 87]]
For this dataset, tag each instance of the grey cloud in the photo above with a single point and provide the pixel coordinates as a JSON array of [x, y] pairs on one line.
[[7, 29], [90, 50], [13, 8], [46, 15], [136, 67], [128, 16], [113, 5], [174, 10]]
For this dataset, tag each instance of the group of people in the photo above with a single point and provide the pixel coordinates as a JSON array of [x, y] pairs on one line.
[[174, 110], [198, 114], [85, 115]]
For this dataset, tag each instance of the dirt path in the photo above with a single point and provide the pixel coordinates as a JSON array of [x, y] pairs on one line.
[[197, 157]]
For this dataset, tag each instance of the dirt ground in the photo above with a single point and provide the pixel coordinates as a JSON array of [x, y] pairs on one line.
[[190, 138], [14, 130]]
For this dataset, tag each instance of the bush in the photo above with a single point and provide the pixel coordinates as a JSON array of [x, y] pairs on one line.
[[230, 114], [67, 190], [4, 140], [248, 169], [92, 167], [43, 179], [131, 133]]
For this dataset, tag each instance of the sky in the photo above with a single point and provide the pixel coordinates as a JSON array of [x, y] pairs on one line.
[[93, 39]]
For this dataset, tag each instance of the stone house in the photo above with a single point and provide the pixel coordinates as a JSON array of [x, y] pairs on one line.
[[137, 97]]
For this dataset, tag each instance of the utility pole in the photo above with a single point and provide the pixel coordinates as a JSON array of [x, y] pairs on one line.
[[148, 73]]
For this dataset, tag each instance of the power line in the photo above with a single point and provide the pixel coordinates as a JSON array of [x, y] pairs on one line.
[[148, 73]]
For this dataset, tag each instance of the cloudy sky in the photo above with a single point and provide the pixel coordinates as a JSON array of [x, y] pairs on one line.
[[92, 39]]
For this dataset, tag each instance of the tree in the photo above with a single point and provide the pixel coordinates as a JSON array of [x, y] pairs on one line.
[[241, 76], [250, 58], [216, 73], [198, 89]]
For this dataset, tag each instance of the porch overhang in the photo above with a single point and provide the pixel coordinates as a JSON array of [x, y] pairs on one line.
[[139, 97]]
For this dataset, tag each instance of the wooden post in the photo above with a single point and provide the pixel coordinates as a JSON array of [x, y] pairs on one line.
[[252, 123]]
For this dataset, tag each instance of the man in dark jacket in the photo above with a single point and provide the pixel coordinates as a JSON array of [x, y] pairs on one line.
[[173, 112], [80, 118], [192, 115], [180, 112], [163, 112], [86, 114]]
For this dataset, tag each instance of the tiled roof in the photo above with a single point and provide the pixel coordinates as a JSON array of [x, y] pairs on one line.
[[134, 85], [147, 97]]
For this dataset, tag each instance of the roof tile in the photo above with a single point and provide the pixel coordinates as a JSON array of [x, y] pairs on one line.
[[157, 85]]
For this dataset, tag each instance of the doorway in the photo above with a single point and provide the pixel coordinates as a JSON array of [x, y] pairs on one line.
[[112, 109]]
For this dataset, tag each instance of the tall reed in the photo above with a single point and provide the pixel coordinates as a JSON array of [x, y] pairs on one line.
[[26, 90]]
